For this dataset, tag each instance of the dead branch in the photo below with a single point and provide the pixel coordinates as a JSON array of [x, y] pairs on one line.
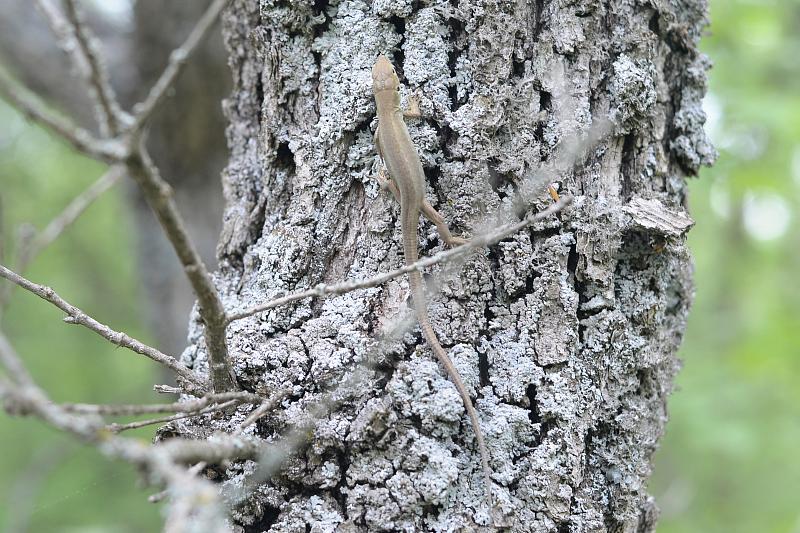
[[177, 60], [76, 316], [108, 151], [109, 112], [118, 428], [159, 197], [195, 502], [187, 406]]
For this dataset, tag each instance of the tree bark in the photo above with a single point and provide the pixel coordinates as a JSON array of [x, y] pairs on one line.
[[566, 334]]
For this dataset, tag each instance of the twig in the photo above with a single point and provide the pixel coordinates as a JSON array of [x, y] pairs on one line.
[[76, 207], [193, 470], [82, 140], [109, 112], [177, 60], [76, 316], [218, 448], [75, 40], [65, 36], [166, 389], [195, 504], [322, 289], [16, 369], [117, 428], [159, 196], [182, 407], [68, 216], [261, 410]]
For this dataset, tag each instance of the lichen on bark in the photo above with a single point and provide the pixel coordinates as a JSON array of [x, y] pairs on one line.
[[565, 334]]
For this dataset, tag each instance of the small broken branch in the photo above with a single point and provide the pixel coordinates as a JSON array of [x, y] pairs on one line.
[[262, 410]]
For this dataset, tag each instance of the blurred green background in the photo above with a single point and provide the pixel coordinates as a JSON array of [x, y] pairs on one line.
[[92, 265], [728, 462]]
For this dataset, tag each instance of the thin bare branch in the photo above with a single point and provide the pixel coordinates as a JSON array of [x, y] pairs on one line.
[[76, 316], [159, 196], [166, 389], [188, 406], [193, 470], [218, 448], [82, 140], [117, 428], [68, 216], [77, 42], [109, 112], [195, 504], [323, 290], [262, 410], [13, 364], [75, 39], [177, 59], [65, 35], [77, 206]]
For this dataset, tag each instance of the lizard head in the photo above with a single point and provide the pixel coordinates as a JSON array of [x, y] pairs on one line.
[[384, 77]]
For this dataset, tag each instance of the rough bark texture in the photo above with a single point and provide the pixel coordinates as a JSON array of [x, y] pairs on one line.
[[566, 334]]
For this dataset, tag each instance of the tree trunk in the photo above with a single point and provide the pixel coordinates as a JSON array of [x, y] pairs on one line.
[[566, 333]]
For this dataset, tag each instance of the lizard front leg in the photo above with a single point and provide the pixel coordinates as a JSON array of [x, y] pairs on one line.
[[384, 180]]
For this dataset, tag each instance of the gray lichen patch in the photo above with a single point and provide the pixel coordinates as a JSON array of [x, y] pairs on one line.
[[633, 92]]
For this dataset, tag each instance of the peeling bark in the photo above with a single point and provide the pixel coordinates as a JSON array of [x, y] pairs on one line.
[[565, 334]]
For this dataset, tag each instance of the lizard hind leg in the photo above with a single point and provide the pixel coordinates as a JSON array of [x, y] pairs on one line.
[[386, 183], [444, 231]]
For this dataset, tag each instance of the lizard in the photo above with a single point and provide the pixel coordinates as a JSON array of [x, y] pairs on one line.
[[407, 184]]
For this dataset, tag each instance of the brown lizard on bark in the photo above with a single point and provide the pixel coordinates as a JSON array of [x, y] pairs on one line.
[[407, 183]]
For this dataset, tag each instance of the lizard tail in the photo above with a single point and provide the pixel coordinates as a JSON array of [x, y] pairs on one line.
[[417, 291]]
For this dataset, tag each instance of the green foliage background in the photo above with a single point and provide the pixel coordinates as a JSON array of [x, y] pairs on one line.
[[92, 266], [728, 461]]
